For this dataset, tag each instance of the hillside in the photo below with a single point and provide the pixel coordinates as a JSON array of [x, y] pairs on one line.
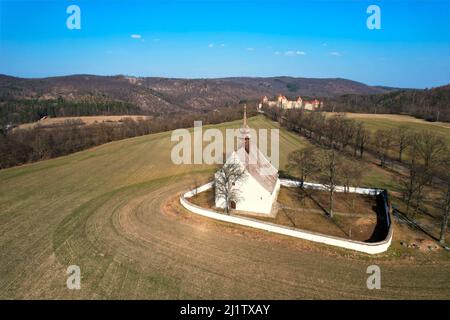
[[205, 92], [27, 100], [112, 210], [432, 104]]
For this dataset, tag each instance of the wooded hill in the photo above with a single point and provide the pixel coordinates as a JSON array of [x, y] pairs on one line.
[[27, 100], [431, 105]]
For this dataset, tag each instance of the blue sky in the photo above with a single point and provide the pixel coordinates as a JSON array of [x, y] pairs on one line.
[[217, 38]]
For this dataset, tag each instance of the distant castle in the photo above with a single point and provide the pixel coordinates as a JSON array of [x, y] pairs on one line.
[[283, 103]]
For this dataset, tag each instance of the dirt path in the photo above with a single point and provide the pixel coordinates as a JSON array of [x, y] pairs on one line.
[[113, 210], [166, 252]]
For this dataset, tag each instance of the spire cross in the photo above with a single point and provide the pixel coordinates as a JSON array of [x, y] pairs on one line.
[[245, 116]]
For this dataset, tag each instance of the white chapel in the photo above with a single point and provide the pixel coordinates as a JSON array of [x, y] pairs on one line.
[[259, 189]]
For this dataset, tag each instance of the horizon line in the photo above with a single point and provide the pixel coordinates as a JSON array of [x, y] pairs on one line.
[[218, 78]]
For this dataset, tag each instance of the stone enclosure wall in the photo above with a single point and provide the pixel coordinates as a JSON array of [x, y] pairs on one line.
[[383, 213]]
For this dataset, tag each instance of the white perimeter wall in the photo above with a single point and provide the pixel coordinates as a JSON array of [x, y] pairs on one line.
[[292, 183], [370, 248]]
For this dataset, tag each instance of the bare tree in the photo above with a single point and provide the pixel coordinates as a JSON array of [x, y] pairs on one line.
[[414, 183], [303, 162], [382, 142], [351, 173], [225, 183], [347, 132], [446, 213], [428, 154], [402, 139], [430, 147], [445, 199], [196, 185], [315, 124], [360, 139], [330, 166], [332, 130]]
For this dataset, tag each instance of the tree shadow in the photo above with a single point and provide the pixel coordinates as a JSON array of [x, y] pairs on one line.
[[303, 193], [292, 221], [411, 223]]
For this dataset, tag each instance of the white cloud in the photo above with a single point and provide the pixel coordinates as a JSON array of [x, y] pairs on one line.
[[216, 45], [277, 52], [292, 53], [136, 36], [250, 49], [335, 53]]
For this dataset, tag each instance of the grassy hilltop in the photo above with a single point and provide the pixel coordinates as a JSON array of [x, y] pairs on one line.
[[374, 122], [113, 211]]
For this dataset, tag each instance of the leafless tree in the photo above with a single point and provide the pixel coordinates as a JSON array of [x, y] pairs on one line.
[[347, 131], [351, 173], [445, 198], [402, 138], [350, 132], [430, 148], [428, 154], [304, 162], [414, 183], [330, 170], [382, 141], [315, 124], [332, 130], [41, 142], [195, 184], [225, 183], [361, 137], [446, 212]]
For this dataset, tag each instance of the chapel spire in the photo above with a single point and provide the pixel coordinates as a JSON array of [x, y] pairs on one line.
[[245, 117], [245, 132]]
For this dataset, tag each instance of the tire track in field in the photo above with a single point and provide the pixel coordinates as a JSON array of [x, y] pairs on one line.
[[185, 256]]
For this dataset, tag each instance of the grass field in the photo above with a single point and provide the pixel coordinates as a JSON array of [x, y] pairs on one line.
[[85, 119], [374, 122], [113, 210], [355, 217]]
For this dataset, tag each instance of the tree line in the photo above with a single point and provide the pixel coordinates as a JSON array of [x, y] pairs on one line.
[[21, 146], [16, 111], [431, 105], [423, 155]]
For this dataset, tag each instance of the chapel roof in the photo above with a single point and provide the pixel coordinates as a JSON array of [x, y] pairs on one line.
[[255, 162], [258, 166]]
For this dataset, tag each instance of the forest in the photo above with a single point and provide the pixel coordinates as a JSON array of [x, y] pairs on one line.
[[431, 105], [419, 159], [19, 146], [30, 110]]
